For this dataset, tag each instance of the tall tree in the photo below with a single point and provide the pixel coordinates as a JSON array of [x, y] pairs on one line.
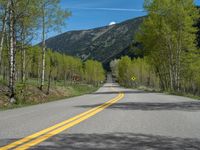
[[12, 51], [4, 11], [27, 25], [167, 34], [94, 72], [19, 21], [123, 68], [53, 17], [114, 67]]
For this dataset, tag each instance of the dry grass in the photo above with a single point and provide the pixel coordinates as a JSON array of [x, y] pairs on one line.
[[31, 94]]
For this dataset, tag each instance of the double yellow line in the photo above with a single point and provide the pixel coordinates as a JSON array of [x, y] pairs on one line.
[[45, 134]]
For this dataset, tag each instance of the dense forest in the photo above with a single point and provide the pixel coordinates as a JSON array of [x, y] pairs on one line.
[[169, 44], [20, 63]]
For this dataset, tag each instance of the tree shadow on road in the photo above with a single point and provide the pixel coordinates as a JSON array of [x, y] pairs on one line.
[[145, 106], [111, 86], [118, 141]]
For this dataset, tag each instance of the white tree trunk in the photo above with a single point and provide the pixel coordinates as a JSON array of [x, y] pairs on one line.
[[43, 51], [23, 56], [11, 55], [23, 63], [3, 31], [43, 67]]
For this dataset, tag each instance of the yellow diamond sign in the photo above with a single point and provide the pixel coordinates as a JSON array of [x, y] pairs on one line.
[[133, 78]]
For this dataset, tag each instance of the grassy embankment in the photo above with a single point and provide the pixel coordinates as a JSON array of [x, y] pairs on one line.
[[156, 90], [30, 94]]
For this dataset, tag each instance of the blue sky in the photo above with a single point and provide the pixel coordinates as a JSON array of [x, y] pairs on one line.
[[87, 14]]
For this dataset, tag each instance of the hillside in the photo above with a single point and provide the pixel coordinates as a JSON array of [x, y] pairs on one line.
[[103, 44]]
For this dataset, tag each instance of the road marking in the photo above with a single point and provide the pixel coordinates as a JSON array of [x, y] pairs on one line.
[[57, 131], [43, 135]]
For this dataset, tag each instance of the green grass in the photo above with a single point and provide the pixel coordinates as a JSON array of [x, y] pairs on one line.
[[144, 88], [184, 94], [148, 89], [157, 90], [79, 89]]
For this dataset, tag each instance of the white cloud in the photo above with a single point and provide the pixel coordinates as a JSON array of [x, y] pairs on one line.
[[112, 23], [108, 9]]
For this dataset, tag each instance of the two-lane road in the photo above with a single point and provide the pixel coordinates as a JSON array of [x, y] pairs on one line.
[[111, 118]]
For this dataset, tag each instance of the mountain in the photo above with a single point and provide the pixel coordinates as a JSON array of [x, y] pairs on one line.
[[102, 44]]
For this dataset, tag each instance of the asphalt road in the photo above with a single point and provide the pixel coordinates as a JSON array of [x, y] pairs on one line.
[[135, 120]]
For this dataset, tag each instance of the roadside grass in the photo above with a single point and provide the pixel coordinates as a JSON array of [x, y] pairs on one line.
[[157, 90], [149, 89], [154, 90], [30, 94], [184, 95]]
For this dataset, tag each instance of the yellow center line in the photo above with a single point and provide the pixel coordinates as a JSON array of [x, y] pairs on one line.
[[33, 136], [63, 128]]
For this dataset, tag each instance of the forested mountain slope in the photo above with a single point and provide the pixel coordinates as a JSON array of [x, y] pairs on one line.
[[103, 44]]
